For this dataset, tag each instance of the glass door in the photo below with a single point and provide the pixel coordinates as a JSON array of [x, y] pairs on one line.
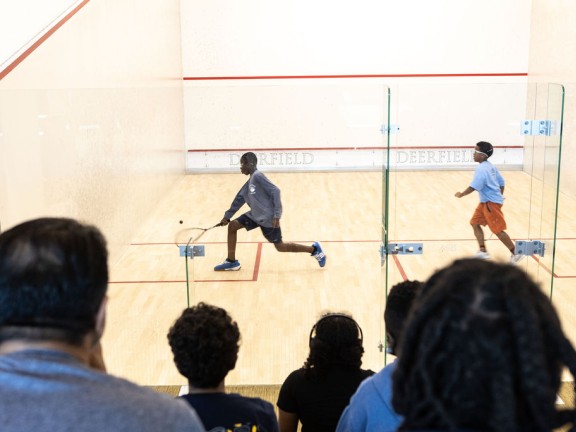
[[543, 148], [320, 143], [429, 158]]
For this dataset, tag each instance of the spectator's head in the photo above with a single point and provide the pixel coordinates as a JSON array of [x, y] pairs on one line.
[[483, 349], [336, 339], [53, 280], [398, 303], [205, 344]]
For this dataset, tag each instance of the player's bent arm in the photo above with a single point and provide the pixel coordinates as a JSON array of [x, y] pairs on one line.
[[237, 203], [467, 191]]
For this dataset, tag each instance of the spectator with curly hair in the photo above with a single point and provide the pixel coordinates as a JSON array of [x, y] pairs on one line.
[[483, 350], [316, 394], [370, 408], [205, 344]]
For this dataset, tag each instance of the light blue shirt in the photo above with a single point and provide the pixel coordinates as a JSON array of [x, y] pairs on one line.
[[370, 408], [488, 182], [49, 390]]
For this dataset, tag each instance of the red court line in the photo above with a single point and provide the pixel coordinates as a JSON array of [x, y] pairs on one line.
[[257, 263], [400, 268], [144, 281], [351, 241], [556, 276], [431, 75], [260, 243], [394, 257], [254, 273], [41, 40], [220, 150], [541, 264]]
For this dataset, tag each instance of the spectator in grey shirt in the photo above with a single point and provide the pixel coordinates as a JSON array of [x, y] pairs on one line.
[[53, 283]]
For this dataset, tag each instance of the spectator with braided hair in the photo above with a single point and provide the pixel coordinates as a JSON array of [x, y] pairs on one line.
[[483, 350], [316, 394]]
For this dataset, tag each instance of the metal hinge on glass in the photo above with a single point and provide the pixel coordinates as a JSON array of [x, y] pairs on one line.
[[538, 127], [405, 248], [529, 247], [400, 249], [389, 129], [192, 251]]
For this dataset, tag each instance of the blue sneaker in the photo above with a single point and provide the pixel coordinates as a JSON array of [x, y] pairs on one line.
[[228, 266], [319, 254]]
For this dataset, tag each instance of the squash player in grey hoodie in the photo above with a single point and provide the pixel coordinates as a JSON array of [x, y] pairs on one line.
[[263, 198]]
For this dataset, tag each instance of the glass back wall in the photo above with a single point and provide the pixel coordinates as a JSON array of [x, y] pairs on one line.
[[321, 144], [431, 158]]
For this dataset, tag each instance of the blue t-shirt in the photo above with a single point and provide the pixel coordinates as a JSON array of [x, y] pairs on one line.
[[224, 411], [488, 181], [370, 408]]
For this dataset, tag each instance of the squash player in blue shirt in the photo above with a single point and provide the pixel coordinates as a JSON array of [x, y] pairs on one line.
[[489, 184], [263, 198]]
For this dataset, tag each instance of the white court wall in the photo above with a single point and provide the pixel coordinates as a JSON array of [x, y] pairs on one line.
[[91, 122], [325, 38], [19, 28]]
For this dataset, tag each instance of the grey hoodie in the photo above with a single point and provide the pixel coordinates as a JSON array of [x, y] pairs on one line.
[[263, 198]]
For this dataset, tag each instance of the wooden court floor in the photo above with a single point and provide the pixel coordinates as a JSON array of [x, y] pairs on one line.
[[276, 298]]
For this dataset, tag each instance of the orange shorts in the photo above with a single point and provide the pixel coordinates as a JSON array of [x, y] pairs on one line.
[[490, 214]]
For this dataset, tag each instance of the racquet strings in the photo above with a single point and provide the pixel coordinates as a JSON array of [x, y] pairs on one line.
[[189, 235]]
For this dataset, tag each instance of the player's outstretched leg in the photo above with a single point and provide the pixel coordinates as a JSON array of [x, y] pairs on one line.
[[319, 254], [315, 250], [505, 238]]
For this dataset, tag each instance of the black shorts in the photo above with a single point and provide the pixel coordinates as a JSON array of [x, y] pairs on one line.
[[273, 235]]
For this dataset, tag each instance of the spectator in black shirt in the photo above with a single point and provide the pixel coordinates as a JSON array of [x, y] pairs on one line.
[[316, 394]]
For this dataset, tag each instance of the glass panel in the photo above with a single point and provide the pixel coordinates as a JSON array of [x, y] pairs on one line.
[[543, 164], [556, 263], [431, 158], [385, 256], [321, 144], [106, 156], [189, 250]]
